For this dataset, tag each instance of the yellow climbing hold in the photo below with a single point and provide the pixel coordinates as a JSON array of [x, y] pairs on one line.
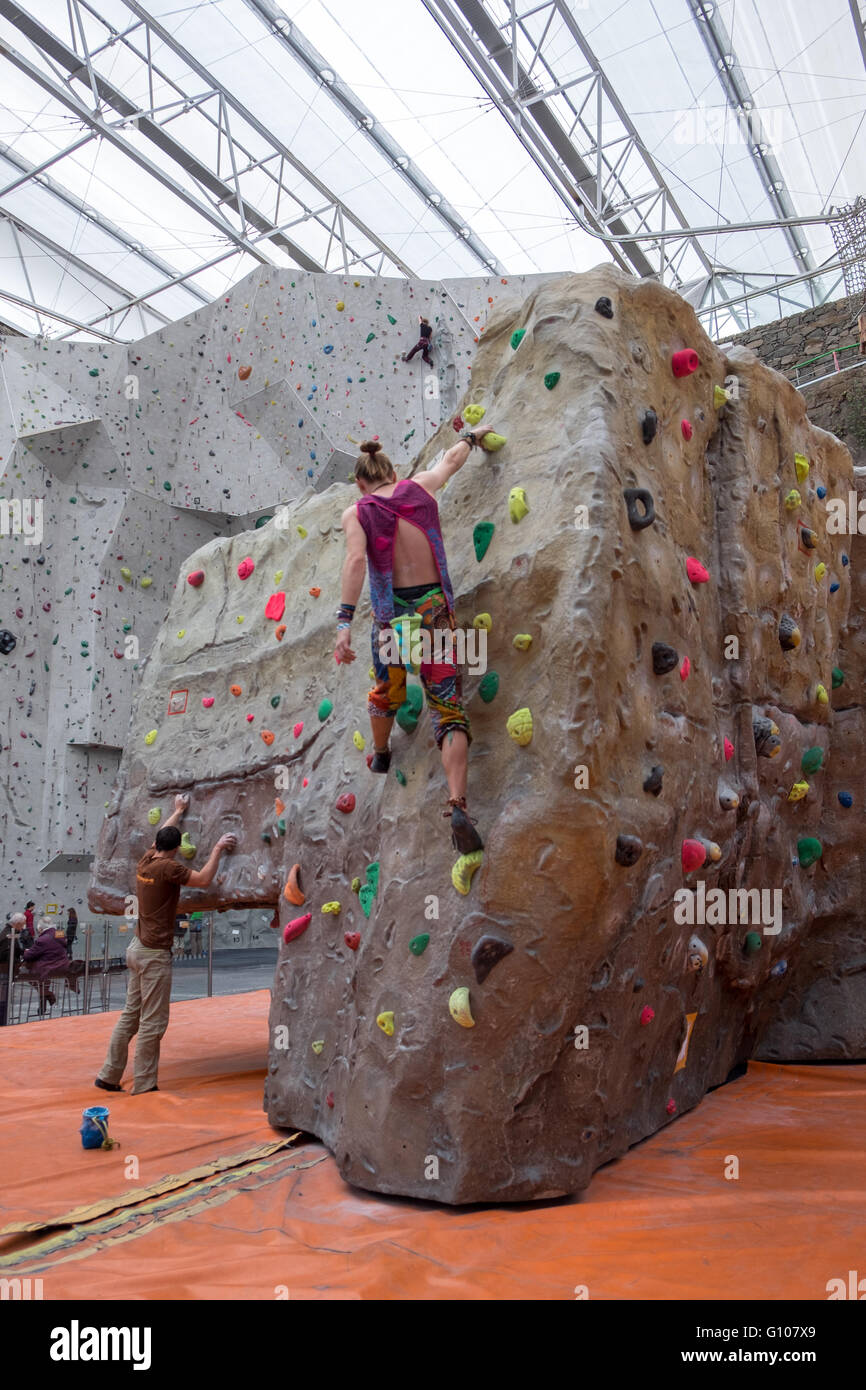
[[793, 500], [386, 1022], [517, 504], [317, 1045], [146, 582], [333, 908], [493, 442], [302, 532], [372, 673], [239, 618], [154, 815], [798, 791], [278, 574], [801, 463], [519, 725], [523, 641], [356, 885], [820, 570], [340, 306], [458, 1007], [187, 848], [720, 397], [359, 741], [181, 634], [126, 573], [474, 414], [461, 874], [150, 738], [483, 620], [821, 694]]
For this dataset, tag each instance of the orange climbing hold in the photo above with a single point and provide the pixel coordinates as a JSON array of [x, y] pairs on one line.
[[267, 736], [292, 891], [280, 632], [279, 807], [314, 593], [244, 373], [236, 690]]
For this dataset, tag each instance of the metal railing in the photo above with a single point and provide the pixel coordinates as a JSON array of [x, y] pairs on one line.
[[826, 364]]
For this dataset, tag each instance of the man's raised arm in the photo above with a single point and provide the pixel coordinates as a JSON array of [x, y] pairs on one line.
[[452, 461]]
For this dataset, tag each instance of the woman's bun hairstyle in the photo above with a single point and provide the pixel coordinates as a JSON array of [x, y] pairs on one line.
[[371, 447]]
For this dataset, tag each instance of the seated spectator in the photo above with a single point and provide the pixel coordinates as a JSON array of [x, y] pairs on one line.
[[71, 930], [45, 959]]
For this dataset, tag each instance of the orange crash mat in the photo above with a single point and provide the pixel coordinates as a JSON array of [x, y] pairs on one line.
[[669, 1220]]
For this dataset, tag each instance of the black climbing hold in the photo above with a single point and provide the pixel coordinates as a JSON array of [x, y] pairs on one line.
[[604, 307], [648, 425], [767, 741], [808, 538], [665, 658], [653, 782], [628, 850], [487, 952], [637, 519], [8, 642], [789, 634]]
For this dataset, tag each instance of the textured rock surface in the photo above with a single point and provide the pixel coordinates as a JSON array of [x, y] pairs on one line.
[[591, 1002]]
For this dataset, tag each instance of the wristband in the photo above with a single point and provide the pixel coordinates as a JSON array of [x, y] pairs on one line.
[[343, 625], [346, 610], [469, 438]]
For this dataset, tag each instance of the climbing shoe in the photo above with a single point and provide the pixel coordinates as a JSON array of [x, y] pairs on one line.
[[106, 1085], [381, 761], [464, 836]]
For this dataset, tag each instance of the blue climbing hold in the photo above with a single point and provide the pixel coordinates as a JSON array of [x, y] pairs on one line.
[[310, 473], [844, 559], [821, 491], [833, 587], [779, 968], [328, 348], [846, 799]]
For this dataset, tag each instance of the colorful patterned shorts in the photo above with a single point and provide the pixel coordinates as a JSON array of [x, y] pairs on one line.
[[443, 687]]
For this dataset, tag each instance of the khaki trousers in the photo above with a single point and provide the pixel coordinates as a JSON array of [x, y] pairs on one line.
[[148, 992]]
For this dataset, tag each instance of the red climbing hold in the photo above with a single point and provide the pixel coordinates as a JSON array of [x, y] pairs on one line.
[[647, 1015], [346, 802], [298, 729], [685, 362], [275, 607], [297, 927], [729, 750], [686, 427], [457, 424], [352, 940], [671, 1107], [694, 855], [696, 572], [329, 1100], [207, 701], [685, 668], [314, 593], [246, 567], [196, 578], [306, 782]]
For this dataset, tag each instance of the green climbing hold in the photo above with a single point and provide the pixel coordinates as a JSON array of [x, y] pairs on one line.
[[838, 677], [752, 943], [325, 709], [370, 337], [94, 371], [489, 687], [418, 945], [401, 776], [167, 487], [550, 379], [482, 535], [409, 711], [373, 876], [281, 825], [262, 521], [391, 318], [366, 894], [812, 760], [809, 851], [517, 337], [275, 700]]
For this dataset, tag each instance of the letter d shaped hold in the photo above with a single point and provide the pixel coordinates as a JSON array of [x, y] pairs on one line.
[[637, 520]]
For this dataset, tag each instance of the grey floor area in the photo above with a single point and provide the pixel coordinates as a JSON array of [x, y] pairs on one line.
[[234, 972]]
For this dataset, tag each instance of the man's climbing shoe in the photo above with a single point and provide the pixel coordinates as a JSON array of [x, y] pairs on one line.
[[106, 1085], [464, 836], [381, 761]]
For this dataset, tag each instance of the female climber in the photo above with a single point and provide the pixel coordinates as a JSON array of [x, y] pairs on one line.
[[423, 344], [393, 531]]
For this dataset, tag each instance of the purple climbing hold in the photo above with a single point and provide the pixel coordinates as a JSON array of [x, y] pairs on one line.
[[487, 952]]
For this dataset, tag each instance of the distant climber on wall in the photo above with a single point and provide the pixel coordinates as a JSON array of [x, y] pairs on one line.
[[394, 531], [158, 881], [423, 343]]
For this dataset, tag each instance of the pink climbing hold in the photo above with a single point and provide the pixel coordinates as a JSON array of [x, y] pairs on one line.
[[207, 701], [696, 572], [298, 729], [686, 427], [346, 802], [306, 782], [196, 579], [694, 855], [250, 718], [296, 927], [729, 750], [671, 1107], [352, 940], [246, 567], [647, 1015], [685, 669], [685, 362], [275, 606]]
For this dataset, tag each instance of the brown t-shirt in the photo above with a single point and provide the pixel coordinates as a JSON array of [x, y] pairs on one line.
[[158, 881]]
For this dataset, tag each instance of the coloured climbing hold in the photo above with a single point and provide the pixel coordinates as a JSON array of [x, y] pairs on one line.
[[359, 741], [694, 855], [812, 760], [821, 694], [244, 373], [293, 892], [820, 571], [302, 531], [686, 428], [346, 803], [325, 709], [807, 539], [653, 781], [809, 851], [373, 875], [418, 945], [356, 885], [410, 710], [779, 969], [604, 307], [366, 894], [838, 677], [280, 632], [474, 414], [752, 943], [275, 607], [792, 500], [640, 507], [646, 1016], [150, 738], [728, 798], [296, 927], [126, 573], [648, 426], [822, 492], [483, 620], [463, 870], [267, 736], [519, 726], [801, 464], [154, 815], [492, 442], [385, 1021], [458, 1007], [489, 686], [551, 379], [684, 362], [332, 908], [789, 634], [207, 701], [697, 573], [487, 952], [628, 850], [522, 641], [798, 791], [845, 799], [8, 642], [352, 940], [482, 535], [401, 776], [186, 847], [318, 1045], [246, 567], [720, 397], [685, 669], [664, 657], [671, 1107], [275, 700], [298, 728], [767, 741], [729, 749], [517, 337]]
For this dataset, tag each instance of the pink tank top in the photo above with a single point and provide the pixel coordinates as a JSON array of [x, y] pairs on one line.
[[379, 516]]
